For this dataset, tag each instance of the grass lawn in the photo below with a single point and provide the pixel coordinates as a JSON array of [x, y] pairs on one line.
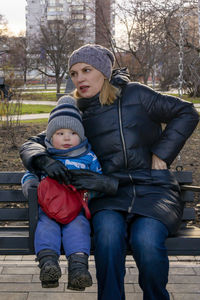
[[25, 109], [187, 98], [39, 96], [36, 109]]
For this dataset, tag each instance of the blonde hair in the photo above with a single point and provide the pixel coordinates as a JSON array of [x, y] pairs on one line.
[[108, 93]]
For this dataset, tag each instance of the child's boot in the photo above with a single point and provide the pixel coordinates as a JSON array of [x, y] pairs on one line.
[[50, 270], [78, 275]]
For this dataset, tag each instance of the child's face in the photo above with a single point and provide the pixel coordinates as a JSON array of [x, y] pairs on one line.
[[65, 138]]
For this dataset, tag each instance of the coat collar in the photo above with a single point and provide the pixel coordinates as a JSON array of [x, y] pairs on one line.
[[84, 103]]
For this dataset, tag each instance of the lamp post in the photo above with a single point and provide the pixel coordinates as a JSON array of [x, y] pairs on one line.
[[199, 21]]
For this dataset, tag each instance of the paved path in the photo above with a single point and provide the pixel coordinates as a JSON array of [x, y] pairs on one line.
[[36, 102], [19, 280], [46, 115]]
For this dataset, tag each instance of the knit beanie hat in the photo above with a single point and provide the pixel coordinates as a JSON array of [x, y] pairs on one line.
[[97, 56], [65, 115]]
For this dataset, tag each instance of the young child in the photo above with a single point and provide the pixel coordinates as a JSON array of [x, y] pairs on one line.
[[65, 141]]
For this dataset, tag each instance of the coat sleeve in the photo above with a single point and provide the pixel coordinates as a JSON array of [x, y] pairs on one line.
[[180, 117], [32, 148]]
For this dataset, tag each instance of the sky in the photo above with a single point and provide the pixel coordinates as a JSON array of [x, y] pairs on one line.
[[14, 12]]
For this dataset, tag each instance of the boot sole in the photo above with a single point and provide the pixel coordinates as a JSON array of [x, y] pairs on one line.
[[80, 283], [50, 284], [49, 276]]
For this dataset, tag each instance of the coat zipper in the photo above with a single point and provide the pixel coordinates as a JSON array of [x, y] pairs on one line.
[[133, 200], [121, 133], [125, 154]]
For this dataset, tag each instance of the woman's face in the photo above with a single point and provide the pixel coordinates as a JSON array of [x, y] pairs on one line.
[[86, 79]]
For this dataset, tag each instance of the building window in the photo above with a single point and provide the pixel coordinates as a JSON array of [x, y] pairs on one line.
[[54, 9], [78, 24], [78, 16], [52, 2], [77, 7], [53, 18], [55, 2]]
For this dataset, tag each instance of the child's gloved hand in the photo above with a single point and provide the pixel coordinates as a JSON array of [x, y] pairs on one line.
[[32, 183], [86, 179], [53, 168]]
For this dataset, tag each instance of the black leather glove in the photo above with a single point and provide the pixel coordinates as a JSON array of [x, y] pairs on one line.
[[86, 179], [53, 168]]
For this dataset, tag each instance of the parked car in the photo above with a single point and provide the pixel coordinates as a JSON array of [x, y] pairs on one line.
[[5, 90]]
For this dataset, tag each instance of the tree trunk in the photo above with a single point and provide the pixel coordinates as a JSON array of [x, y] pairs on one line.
[[25, 78], [58, 84]]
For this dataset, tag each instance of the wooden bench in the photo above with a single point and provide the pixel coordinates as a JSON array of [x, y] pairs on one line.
[[18, 217]]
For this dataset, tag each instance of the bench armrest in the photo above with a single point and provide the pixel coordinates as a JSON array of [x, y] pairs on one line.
[[193, 188]]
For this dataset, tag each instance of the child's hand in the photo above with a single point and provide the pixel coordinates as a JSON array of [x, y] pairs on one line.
[[32, 183], [53, 168]]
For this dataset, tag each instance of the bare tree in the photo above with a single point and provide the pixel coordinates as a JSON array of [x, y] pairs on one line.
[[185, 19], [10, 111], [3, 35], [149, 41], [52, 48], [142, 37], [18, 58], [3, 26]]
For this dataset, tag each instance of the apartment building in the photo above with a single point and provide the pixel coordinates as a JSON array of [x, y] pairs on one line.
[[95, 16]]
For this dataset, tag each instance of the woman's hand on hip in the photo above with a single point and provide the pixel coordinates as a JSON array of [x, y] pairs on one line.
[[157, 163]]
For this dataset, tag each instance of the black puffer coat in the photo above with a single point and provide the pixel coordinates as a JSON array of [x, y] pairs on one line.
[[124, 136]]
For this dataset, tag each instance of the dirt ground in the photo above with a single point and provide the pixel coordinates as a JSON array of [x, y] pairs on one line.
[[10, 144], [10, 160]]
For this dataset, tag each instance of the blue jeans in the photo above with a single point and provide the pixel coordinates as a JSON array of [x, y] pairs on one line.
[[74, 236], [147, 239]]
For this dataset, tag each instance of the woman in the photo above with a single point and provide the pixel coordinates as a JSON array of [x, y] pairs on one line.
[[122, 121]]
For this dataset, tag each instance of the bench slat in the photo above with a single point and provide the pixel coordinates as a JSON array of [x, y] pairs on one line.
[[183, 177], [7, 229], [14, 244], [12, 196], [13, 214], [187, 196], [9, 178], [186, 242], [189, 214], [17, 196]]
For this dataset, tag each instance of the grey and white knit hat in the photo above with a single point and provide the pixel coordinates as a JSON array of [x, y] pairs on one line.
[[97, 56], [65, 115]]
